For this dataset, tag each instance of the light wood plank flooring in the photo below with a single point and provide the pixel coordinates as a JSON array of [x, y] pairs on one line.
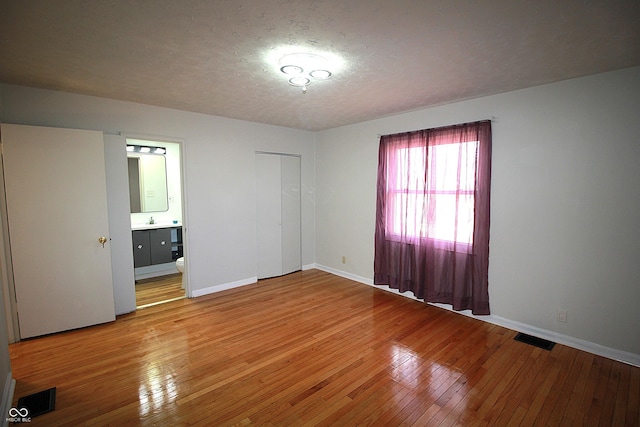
[[159, 289], [311, 348]]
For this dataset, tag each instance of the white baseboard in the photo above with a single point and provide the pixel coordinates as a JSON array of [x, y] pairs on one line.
[[155, 271], [345, 274], [7, 398], [236, 284], [590, 347], [223, 287]]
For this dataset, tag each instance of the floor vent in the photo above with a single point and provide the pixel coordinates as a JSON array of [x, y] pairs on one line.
[[538, 342], [39, 403]]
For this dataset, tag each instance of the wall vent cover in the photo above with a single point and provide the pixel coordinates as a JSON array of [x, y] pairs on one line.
[[535, 341], [39, 403]]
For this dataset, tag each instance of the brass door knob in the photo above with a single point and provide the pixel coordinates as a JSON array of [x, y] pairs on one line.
[[102, 240]]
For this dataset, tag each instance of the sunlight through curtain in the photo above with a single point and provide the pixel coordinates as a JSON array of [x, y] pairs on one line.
[[432, 214]]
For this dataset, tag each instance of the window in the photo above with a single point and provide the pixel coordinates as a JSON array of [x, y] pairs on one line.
[[437, 204], [432, 214]]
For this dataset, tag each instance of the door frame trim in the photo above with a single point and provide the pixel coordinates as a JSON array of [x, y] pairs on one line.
[[183, 194]]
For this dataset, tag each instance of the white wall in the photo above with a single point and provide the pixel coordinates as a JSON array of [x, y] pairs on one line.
[[565, 203], [219, 163]]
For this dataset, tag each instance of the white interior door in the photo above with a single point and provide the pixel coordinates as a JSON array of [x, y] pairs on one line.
[[290, 213], [57, 211], [269, 215], [278, 212]]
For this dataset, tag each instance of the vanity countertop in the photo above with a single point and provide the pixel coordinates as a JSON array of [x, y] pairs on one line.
[[136, 227]]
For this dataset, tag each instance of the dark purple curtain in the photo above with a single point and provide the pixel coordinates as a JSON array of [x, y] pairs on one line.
[[432, 214]]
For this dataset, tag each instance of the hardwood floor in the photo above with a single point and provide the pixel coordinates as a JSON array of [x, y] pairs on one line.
[[159, 289], [311, 348]]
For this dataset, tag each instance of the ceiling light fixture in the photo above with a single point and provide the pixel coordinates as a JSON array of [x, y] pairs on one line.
[[320, 74], [299, 81], [146, 149], [291, 69], [303, 68]]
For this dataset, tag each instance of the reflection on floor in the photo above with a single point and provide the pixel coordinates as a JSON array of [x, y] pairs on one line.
[[157, 290]]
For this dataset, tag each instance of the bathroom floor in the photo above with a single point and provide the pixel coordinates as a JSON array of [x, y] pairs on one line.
[[158, 289]]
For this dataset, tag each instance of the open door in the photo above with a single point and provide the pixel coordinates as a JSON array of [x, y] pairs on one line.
[[58, 228]]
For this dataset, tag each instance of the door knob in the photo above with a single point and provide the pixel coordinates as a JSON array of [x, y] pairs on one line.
[[102, 240]]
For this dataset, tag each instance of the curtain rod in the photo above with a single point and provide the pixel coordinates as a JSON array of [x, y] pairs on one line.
[[493, 119]]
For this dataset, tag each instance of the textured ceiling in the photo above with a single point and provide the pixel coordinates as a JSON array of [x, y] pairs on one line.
[[214, 57]]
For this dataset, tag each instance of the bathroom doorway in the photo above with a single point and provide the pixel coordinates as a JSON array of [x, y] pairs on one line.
[[156, 206]]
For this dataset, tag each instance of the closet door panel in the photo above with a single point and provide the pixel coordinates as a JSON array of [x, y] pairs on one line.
[[290, 202], [269, 224]]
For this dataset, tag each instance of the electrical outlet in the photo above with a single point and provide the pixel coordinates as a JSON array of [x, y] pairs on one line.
[[344, 259], [562, 316]]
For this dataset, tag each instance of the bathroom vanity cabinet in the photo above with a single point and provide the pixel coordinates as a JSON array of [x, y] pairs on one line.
[[156, 246]]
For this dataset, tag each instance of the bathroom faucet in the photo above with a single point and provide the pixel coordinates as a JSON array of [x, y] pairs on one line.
[[151, 221]]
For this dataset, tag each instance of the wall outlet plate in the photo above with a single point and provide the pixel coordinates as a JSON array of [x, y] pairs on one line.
[[562, 316]]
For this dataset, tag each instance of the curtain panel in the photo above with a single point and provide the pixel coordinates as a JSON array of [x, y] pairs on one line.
[[432, 214]]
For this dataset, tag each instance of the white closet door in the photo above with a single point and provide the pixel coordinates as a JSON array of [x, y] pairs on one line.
[[57, 211], [269, 215], [290, 202], [278, 214]]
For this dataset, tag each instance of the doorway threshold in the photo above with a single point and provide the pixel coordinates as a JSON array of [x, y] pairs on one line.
[[159, 302]]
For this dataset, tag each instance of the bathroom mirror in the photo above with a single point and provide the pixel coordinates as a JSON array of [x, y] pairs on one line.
[[147, 182]]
